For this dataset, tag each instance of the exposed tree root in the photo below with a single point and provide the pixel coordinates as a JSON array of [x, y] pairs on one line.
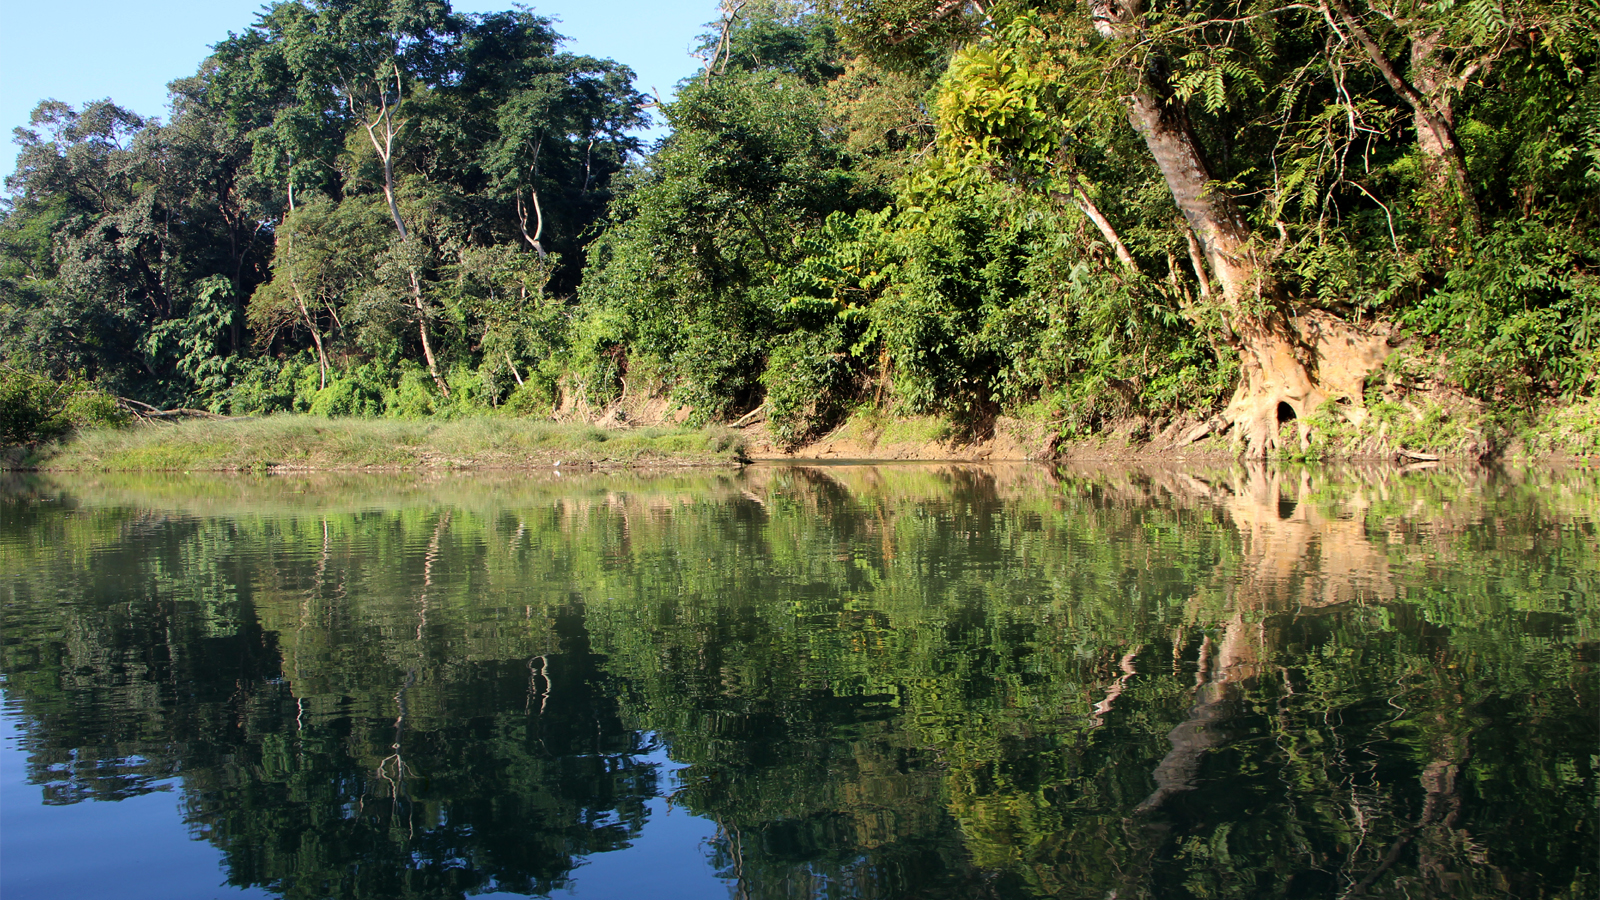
[[1291, 367]]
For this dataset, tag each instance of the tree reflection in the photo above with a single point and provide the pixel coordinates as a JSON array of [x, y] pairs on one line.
[[882, 682]]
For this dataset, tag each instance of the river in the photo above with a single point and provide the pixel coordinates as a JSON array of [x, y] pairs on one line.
[[836, 681]]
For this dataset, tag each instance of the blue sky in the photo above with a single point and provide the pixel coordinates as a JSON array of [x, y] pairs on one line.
[[81, 50]]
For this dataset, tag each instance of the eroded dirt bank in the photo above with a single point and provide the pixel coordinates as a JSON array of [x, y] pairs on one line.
[[1419, 427]]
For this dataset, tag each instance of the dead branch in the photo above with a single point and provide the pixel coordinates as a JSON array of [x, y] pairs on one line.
[[755, 415], [146, 411], [732, 15]]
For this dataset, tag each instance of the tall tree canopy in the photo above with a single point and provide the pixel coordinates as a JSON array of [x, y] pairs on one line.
[[485, 152], [1328, 163]]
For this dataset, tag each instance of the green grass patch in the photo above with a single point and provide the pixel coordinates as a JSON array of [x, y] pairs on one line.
[[915, 430], [1571, 429], [313, 442]]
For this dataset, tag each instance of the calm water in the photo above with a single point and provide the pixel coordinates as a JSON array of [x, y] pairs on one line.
[[836, 682]]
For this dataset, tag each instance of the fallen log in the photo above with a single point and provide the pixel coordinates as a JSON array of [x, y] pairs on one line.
[[146, 411]]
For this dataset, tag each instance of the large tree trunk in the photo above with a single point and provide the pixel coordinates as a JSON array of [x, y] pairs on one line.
[[1224, 238], [1443, 160], [1289, 365]]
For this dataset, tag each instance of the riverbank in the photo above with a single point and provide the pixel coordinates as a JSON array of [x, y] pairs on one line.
[[1423, 427], [312, 443], [1422, 430]]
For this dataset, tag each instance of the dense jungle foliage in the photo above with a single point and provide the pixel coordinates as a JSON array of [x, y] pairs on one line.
[[1075, 211]]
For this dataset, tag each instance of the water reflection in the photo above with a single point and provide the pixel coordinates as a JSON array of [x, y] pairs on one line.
[[920, 681]]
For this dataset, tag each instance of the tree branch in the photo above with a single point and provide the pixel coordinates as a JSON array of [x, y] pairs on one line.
[[1391, 74], [1101, 223]]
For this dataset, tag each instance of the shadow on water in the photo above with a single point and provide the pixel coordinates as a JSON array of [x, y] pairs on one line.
[[934, 680]]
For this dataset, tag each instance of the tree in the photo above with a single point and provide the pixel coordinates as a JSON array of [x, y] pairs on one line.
[[129, 246], [695, 259], [1251, 86], [466, 126]]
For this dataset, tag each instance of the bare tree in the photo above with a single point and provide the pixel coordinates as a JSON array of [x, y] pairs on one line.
[[383, 127]]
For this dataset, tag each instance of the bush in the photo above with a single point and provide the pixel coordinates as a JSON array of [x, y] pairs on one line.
[[34, 408], [535, 397], [415, 397], [808, 382], [347, 395], [268, 385], [470, 392], [90, 408], [1520, 317]]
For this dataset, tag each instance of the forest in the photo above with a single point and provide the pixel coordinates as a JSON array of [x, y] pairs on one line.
[[1245, 219]]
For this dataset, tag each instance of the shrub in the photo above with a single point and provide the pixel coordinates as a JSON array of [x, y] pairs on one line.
[[34, 408], [1520, 317], [534, 397], [347, 395], [808, 382], [263, 386], [414, 397]]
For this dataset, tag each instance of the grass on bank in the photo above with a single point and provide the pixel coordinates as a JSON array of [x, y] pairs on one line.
[[1458, 429], [314, 442]]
